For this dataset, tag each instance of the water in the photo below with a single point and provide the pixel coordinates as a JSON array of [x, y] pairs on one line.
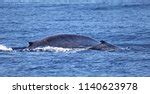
[[125, 26], [103, 2]]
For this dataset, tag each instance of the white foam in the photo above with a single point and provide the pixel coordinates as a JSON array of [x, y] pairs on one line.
[[4, 48], [45, 49], [58, 49]]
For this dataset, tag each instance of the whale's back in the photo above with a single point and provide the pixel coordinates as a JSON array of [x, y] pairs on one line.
[[65, 41], [70, 41]]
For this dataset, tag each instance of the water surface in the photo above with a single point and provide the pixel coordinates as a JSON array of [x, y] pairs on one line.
[[127, 27]]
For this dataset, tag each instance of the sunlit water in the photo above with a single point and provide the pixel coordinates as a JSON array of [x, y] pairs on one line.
[[127, 27]]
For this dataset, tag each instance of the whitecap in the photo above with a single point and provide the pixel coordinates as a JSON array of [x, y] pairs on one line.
[[4, 48], [57, 49]]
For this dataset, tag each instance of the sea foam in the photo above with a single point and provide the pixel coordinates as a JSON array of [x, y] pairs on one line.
[[4, 48], [56, 49]]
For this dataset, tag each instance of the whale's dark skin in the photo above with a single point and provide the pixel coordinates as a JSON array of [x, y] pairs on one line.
[[71, 41]]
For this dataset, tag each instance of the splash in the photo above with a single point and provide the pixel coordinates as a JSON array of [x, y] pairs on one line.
[[56, 49], [45, 49], [4, 48]]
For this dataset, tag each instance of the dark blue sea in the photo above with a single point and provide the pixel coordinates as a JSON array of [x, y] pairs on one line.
[[126, 26]]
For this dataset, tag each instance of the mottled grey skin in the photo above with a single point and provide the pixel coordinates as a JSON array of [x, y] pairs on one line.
[[72, 41]]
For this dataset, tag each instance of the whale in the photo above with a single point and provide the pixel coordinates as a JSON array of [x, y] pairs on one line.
[[70, 41]]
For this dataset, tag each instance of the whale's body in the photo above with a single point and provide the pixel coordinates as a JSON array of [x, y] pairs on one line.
[[65, 41], [71, 41]]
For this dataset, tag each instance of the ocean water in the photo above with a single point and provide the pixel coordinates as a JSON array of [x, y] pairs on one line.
[[128, 27]]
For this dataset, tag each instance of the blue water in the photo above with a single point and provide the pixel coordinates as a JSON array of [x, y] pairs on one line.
[[125, 26]]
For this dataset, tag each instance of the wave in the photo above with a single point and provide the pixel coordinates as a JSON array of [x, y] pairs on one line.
[[4, 48], [44, 49], [51, 49]]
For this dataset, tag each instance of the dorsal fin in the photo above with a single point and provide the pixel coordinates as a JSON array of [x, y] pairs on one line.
[[30, 43], [102, 41]]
